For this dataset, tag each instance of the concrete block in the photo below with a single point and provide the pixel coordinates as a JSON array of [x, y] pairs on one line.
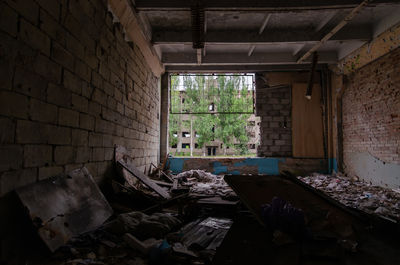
[[34, 37], [109, 153], [47, 172], [51, 27], [29, 132], [44, 112], [8, 19], [15, 179], [98, 154], [51, 6], [94, 108], [80, 103], [83, 154], [29, 83], [11, 157], [58, 135], [86, 122], [68, 117], [99, 97], [82, 70], [63, 155], [13, 104], [72, 82], [48, 69], [62, 56], [7, 131], [27, 9], [95, 139], [80, 137], [75, 47], [37, 155]]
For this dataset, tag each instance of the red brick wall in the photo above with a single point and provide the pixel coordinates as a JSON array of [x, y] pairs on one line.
[[71, 87], [371, 110]]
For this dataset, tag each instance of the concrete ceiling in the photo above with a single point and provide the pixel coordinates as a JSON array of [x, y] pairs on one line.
[[244, 34]]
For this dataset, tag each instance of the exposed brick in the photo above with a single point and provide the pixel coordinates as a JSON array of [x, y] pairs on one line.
[[371, 110], [41, 111], [34, 37], [68, 117], [59, 95], [37, 155], [63, 155], [13, 105]]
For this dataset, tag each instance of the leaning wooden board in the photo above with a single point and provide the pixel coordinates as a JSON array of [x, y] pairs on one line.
[[307, 128], [144, 179], [65, 206]]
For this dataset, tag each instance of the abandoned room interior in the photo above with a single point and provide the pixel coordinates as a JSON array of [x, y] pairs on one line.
[[92, 170]]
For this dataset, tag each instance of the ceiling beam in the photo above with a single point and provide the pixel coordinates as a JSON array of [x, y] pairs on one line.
[[266, 5], [250, 37], [260, 31], [239, 68], [338, 27], [241, 59]]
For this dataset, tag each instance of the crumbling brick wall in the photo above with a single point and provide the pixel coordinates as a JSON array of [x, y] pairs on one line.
[[71, 87], [273, 106], [371, 110]]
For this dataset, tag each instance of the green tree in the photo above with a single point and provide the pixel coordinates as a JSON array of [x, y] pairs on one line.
[[225, 94]]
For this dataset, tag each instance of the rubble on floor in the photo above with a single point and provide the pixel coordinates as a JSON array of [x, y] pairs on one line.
[[358, 194], [159, 218], [202, 182]]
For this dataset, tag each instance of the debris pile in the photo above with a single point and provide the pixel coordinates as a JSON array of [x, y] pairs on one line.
[[358, 194], [202, 182]]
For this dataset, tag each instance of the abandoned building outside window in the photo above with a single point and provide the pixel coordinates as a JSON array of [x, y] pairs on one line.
[[212, 115]]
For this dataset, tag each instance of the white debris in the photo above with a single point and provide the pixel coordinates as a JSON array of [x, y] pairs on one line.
[[203, 182], [358, 194]]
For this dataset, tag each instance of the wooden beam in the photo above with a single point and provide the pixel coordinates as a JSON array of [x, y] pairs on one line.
[[338, 27], [129, 19]]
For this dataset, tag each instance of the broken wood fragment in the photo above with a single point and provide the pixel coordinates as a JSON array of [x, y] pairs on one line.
[[144, 179]]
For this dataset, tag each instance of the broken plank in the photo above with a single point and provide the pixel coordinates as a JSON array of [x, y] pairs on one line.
[[65, 206], [162, 183], [144, 179]]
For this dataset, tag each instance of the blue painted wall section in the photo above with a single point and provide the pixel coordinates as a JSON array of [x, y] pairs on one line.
[[269, 166], [175, 164]]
